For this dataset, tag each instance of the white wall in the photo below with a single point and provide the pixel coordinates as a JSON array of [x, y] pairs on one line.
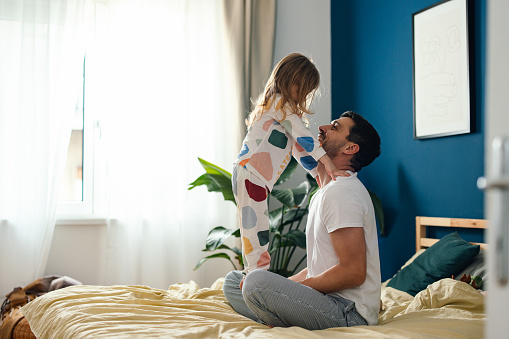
[[302, 26]]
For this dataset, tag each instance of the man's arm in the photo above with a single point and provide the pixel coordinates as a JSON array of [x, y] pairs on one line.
[[350, 246]]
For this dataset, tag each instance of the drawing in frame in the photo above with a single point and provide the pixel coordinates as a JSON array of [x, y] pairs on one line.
[[441, 70]]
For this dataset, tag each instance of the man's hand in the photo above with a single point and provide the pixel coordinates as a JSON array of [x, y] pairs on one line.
[[299, 276]]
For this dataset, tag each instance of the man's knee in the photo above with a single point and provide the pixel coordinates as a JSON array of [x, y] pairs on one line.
[[232, 281], [257, 279], [233, 276]]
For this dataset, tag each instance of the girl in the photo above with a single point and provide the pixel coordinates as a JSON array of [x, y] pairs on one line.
[[277, 129]]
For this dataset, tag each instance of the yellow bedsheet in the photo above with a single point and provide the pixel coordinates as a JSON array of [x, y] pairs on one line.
[[447, 308]]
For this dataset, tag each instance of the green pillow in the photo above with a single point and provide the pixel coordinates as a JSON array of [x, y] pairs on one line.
[[445, 258]]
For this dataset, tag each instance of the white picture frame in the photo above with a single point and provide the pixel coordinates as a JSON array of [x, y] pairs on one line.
[[441, 84]]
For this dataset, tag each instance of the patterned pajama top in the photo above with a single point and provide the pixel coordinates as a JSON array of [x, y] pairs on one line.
[[269, 145]]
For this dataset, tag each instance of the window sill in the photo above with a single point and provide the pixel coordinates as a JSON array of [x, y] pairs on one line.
[[81, 221]]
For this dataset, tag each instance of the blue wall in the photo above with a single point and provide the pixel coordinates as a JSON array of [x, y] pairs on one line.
[[372, 75]]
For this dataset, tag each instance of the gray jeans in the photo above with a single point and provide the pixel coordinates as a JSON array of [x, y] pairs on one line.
[[271, 299]]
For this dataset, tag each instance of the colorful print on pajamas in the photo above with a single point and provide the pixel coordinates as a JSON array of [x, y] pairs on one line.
[[253, 216], [266, 151]]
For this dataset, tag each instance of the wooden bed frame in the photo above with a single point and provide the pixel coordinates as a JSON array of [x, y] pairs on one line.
[[421, 224]]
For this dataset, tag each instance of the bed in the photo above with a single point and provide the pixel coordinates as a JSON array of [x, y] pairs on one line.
[[446, 307]]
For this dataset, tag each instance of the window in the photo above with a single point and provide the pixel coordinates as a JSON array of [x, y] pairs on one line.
[[72, 181], [79, 196]]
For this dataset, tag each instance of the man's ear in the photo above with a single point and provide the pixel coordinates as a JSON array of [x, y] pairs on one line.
[[352, 149]]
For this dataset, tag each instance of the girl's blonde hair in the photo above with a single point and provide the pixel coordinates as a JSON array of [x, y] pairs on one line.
[[294, 69]]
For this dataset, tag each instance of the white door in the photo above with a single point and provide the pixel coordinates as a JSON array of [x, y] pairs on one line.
[[497, 198]]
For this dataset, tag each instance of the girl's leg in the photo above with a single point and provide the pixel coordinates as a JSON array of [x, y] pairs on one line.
[[251, 196], [278, 301]]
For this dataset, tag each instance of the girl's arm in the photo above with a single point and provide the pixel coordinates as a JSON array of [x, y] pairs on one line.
[[331, 169], [307, 149]]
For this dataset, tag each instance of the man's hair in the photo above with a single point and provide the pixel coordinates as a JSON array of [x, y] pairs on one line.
[[363, 134]]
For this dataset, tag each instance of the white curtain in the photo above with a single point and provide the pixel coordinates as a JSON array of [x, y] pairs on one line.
[[161, 81], [41, 52], [163, 87], [251, 25]]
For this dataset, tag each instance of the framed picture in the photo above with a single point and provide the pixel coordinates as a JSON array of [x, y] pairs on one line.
[[441, 70]]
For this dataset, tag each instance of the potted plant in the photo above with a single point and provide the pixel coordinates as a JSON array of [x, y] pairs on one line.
[[286, 227]]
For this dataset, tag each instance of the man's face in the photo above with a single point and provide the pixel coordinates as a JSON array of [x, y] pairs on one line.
[[333, 136]]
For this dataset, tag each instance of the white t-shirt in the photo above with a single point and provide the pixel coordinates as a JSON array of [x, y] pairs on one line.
[[345, 203]]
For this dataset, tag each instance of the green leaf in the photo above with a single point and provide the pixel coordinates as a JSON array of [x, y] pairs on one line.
[[284, 196], [214, 169], [216, 255], [207, 180], [292, 197], [300, 193], [216, 179], [239, 258], [275, 240], [314, 185], [288, 172], [236, 250], [221, 247], [298, 238], [217, 236], [379, 212], [224, 185], [312, 181], [275, 218], [294, 215]]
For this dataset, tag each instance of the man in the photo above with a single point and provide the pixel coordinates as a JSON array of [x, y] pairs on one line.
[[341, 284]]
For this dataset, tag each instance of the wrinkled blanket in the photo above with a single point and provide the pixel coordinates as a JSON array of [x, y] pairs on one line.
[[447, 308]]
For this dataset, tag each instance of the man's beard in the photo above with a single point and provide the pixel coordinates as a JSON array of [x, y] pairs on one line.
[[332, 149]]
